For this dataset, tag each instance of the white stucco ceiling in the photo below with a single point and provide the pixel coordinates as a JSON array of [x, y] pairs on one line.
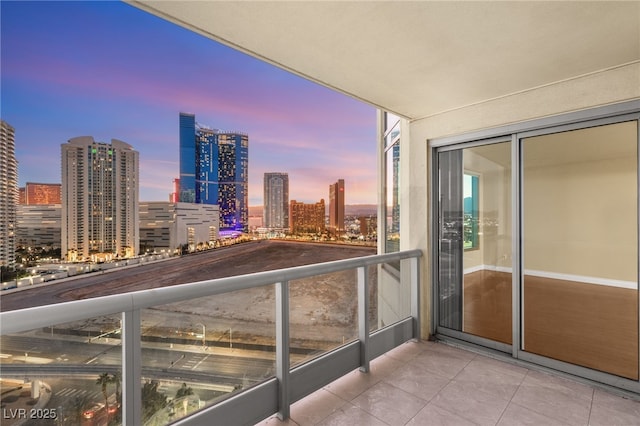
[[421, 58]]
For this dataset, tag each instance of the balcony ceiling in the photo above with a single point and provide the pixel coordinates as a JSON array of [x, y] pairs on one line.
[[418, 59]]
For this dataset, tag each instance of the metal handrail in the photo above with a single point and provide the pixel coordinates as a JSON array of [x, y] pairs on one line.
[[129, 305], [43, 316]]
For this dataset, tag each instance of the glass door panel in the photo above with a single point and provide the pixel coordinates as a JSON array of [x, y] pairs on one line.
[[474, 286], [580, 257]]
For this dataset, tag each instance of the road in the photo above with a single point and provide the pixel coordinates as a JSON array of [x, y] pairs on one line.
[[39, 357]]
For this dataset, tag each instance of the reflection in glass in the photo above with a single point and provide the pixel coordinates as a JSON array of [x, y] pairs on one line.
[[470, 211], [392, 170], [71, 371], [580, 243], [196, 352], [474, 257]]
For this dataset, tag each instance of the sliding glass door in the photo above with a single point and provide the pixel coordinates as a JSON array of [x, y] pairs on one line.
[[537, 245], [474, 239], [579, 247]]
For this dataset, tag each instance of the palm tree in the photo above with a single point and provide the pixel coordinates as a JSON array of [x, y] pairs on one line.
[[104, 379], [116, 379]]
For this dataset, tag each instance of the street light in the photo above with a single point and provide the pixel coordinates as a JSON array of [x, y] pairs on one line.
[[204, 334]]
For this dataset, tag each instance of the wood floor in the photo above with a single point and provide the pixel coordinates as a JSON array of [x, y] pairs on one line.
[[590, 325], [487, 305]]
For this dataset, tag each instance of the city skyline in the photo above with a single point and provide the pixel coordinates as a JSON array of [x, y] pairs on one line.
[[130, 76]]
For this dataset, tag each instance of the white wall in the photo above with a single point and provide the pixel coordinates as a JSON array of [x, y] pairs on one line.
[[597, 89]]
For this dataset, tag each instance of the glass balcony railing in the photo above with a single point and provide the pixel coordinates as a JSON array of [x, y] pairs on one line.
[[235, 349]]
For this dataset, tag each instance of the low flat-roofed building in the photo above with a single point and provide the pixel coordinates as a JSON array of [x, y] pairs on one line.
[[38, 225], [167, 226], [41, 193]]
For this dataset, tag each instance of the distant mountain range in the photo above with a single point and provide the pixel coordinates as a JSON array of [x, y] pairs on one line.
[[349, 210]]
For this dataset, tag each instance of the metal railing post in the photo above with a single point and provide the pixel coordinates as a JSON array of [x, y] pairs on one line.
[[131, 369], [282, 349], [363, 317], [415, 295]]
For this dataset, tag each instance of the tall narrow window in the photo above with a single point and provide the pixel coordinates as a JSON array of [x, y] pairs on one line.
[[470, 211], [392, 182]]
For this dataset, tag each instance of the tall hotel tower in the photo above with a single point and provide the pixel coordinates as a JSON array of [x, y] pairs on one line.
[[99, 199], [276, 200], [8, 194], [336, 207], [214, 169]]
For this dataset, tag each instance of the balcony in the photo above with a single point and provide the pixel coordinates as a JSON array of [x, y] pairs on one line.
[[428, 383], [107, 359], [361, 373]]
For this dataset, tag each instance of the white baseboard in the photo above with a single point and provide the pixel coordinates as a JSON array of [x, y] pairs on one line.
[[557, 276]]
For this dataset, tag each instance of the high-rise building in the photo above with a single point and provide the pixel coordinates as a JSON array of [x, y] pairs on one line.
[[8, 194], [41, 193], [99, 199], [214, 169], [368, 225], [336, 207], [306, 218], [276, 200], [38, 226]]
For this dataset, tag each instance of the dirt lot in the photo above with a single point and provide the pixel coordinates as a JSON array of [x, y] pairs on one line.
[[323, 308]]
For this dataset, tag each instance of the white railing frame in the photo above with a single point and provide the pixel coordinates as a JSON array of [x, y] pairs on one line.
[[129, 305]]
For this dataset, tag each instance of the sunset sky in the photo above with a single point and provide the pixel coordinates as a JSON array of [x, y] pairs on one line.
[[111, 71]]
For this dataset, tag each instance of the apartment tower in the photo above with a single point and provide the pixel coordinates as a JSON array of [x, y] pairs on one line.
[[336, 207], [276, 200], [306, 218], [8, 194], [99, 199], [214, 169]]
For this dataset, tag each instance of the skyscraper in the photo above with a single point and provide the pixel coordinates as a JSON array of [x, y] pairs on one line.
[[276, 200], [99, 199], [8, 194], [214, 170], [336, 207], [306, 218]]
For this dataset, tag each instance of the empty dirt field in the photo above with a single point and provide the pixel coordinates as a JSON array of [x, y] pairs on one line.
[[323, 308]]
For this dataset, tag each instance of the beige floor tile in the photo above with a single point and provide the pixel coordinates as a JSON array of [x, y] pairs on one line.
[[352, 385], [516, 415], [444, 363], [612, 410], [418, 381], [315, 407], [389, 404], [408, 350], [555, 397], [487, 375], [432, 415], [479, 407], [350, 415]]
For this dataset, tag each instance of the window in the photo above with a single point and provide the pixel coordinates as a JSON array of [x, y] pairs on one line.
[[392, 182], [470, 211]]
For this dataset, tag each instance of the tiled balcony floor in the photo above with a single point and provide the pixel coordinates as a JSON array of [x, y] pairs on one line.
[[425, 383]]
